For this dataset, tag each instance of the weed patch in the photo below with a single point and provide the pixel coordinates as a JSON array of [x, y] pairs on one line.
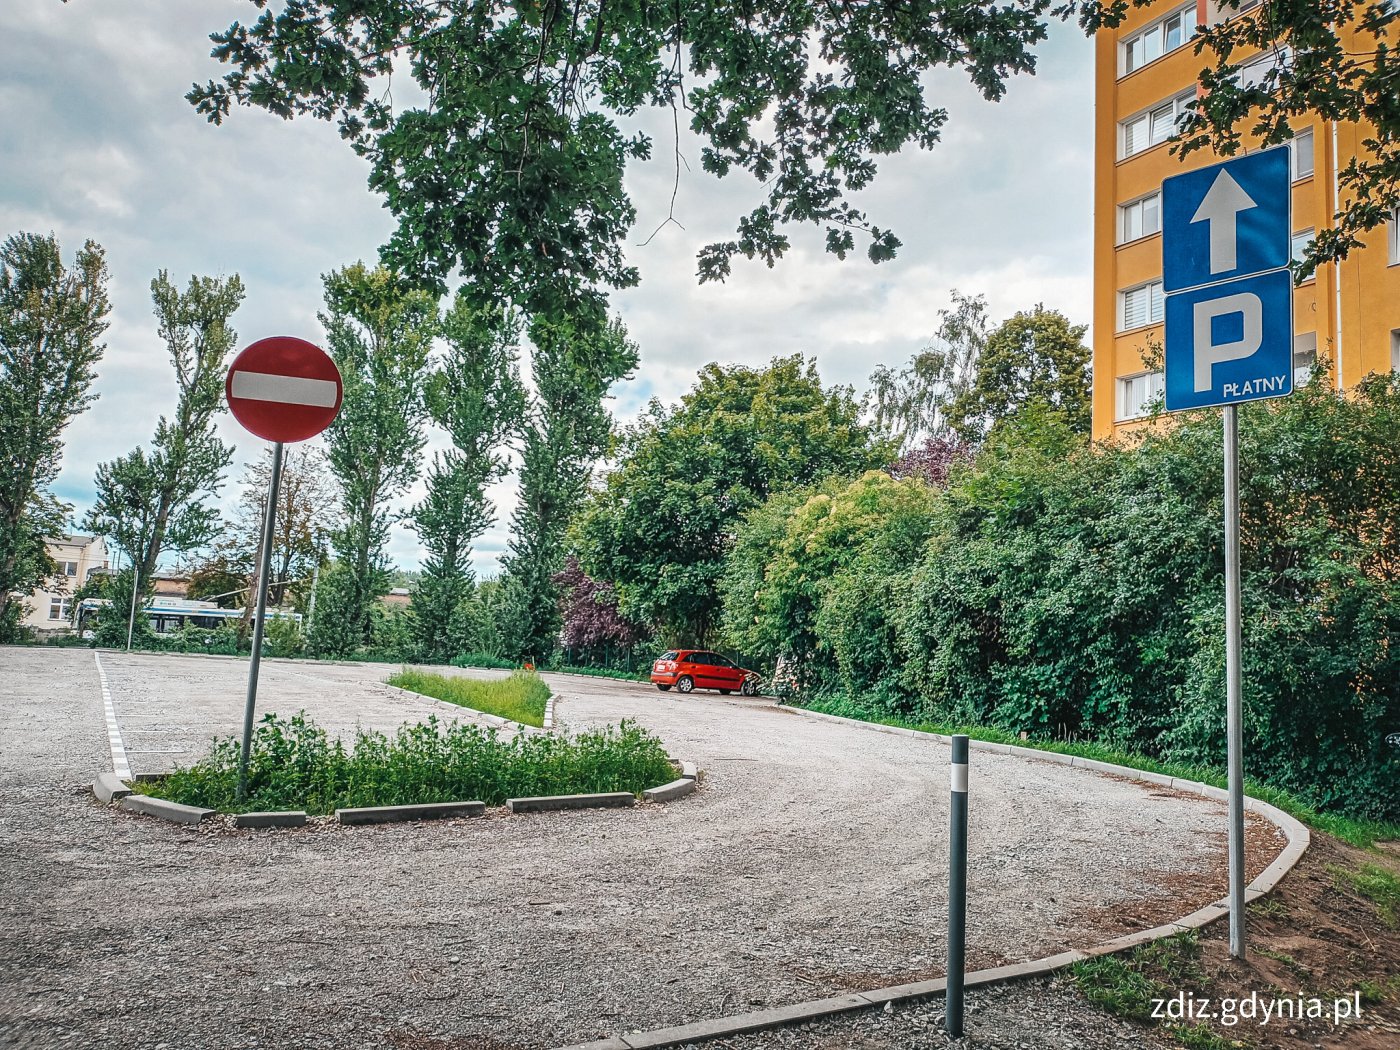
[[295, 764], [1376, 884], [521, 697]]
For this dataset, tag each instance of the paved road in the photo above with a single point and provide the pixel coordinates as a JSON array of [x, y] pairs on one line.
[[811, 861]]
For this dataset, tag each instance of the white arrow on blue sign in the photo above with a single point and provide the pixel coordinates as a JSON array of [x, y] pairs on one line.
[[1226, 243], [1227, 220]]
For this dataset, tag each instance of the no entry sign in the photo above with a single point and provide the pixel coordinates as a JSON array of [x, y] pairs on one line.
[[283, 389]]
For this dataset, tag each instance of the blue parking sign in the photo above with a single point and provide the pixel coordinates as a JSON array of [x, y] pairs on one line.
[[1227, 220], [1230, 342]]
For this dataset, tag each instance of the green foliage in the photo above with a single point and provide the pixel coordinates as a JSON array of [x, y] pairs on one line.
[[51, 323], [379, 332], [1074, 593], [660, 529], [912, 403], [568, 428], [1378, 885], [1127, 985], [150, 503], [512, 170], [521, 697], [1034, 358], [480, 660], [812, 573], [295, 764], [475, 395]]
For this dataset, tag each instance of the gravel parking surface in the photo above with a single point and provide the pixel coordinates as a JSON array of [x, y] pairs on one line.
[[812, 861]]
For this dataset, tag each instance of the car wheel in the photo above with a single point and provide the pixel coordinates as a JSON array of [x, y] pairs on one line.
[[663, 688], [685, 683], [750, 688], [725, 692]]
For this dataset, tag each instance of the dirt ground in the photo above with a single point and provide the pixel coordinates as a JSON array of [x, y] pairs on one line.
[[1314, 936]]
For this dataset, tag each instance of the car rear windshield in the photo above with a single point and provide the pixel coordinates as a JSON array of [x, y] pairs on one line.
[[667, 656]]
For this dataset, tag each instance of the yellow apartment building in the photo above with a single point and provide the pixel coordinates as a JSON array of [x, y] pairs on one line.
[[1145, 72]]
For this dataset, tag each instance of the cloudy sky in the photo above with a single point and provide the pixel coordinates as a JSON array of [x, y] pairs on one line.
[[96, 141]]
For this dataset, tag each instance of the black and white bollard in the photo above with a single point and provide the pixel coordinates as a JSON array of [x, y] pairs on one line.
[[957, 890]]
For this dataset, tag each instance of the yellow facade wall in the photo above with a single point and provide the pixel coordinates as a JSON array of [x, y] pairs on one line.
[[1369, 281]]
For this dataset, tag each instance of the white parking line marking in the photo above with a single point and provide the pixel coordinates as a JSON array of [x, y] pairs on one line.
[[114, 731]]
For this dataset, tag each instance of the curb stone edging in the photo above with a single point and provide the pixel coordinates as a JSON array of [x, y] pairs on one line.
[[757, 1020], [670, 792], [106, 787], [420, 811], [171, 811], [598, 800], [281, 818]]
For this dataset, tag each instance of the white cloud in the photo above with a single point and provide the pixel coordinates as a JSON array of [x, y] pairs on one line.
[[96, 141]]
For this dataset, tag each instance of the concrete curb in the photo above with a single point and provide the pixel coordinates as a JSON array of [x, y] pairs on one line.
[[282, 818], [549, 712], [670, 792], [159, 807], [757, 1020], [109, 788], [545, 803], [423, 811]]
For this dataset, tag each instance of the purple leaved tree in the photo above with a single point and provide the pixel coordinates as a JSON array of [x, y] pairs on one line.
[[932, 460], [590, 614]]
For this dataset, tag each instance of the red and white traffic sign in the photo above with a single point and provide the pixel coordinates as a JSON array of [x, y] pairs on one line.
[[283, 389]]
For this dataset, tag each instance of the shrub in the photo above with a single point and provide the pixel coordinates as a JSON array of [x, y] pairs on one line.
[[295, 764]]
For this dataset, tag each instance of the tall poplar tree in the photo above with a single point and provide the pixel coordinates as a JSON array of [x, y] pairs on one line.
[[475, 395], [51, 323], [156, 502], [568, 428], [379, 330]]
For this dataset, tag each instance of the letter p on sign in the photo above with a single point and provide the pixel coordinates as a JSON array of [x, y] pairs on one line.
[[1209, 353]]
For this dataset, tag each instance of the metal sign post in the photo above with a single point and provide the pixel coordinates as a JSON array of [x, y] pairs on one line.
[[281, 389], [957, 890], [264, 570], [1234, 718], [1226, 243]]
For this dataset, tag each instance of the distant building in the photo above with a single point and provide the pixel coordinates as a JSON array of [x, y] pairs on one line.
[[1146, 75], [397, 600], [50, 607]]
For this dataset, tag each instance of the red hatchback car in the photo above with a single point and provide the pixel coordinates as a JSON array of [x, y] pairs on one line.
[[689, 669]]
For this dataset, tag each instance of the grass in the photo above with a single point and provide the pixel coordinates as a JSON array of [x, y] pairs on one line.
[[1376, 884], [643, 675], [521, 697], [1357, 831], [295, 764], [1135, 985]]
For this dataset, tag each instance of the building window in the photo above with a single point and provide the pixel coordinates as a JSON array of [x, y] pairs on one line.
[[59, 608], [1137, 393], [1304, 357], [1158, 39], [1394, 225], [67, 568], [1301, 240], [1395, 350], [1302, 147], [1156, 125], [1263, 70], [1140, 218], [1141, 305]]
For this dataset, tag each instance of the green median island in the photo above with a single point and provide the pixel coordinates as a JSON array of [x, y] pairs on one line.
[[296, 764], [520, 697]]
